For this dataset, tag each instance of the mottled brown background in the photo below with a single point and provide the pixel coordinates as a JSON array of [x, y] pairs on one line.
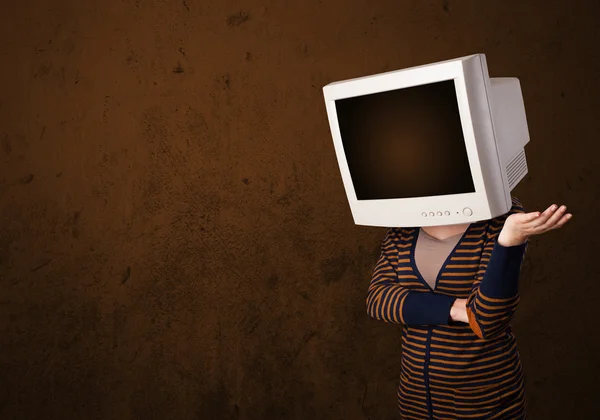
[[175, 239]]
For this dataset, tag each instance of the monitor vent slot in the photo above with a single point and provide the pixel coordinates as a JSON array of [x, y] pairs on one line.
[[516, 169]]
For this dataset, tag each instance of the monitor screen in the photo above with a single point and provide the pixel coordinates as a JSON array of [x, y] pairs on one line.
[[405, 143]]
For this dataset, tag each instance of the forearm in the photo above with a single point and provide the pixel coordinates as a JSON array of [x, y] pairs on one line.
[[398, 305], [427, 308], [493, 302], [501, 278]]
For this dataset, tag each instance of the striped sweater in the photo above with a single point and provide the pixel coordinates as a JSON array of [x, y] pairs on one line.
[[454, 370]]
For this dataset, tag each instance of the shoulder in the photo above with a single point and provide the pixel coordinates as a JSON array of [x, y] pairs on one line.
[[398, 236], [401, 232], [392, 234]]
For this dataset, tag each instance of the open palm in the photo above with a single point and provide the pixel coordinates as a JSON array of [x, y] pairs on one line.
[[534, 223]]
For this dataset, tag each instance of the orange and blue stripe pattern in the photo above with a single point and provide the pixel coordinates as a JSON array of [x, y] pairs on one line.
[[454, 370]]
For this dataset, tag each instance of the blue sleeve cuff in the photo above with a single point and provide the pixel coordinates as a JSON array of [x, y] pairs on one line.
[[427, 308], [501, 278]]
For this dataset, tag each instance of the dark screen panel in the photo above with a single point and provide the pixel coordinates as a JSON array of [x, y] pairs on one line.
[[405, 143]]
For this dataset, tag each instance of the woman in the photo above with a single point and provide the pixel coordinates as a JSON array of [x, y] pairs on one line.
[[455, 290]]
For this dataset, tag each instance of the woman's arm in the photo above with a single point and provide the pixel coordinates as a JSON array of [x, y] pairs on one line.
[[494, 297], [388, 300]]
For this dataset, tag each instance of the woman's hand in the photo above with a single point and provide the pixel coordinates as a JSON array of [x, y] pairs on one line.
[[519, 227], [458, 311]]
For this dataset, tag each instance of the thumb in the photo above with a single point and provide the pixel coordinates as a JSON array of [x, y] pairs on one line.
[[528, 217]]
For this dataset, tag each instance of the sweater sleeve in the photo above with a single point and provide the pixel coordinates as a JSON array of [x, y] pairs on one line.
[[390, 301], [494, 297]]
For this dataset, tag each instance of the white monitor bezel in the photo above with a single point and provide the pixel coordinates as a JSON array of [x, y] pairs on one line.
[[408, 211]]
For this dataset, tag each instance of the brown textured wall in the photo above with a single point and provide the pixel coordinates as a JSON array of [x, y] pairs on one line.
[[175, 239]]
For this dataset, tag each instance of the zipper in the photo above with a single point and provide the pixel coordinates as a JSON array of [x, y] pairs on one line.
[[426, 374]]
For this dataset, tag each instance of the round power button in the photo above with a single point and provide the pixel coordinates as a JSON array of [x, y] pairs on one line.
[[467, 211]]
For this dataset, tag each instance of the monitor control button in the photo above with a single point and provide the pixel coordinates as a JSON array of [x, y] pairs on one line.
[[467, 211]]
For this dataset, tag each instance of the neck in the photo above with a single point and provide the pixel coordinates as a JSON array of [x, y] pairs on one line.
[[445, 231]]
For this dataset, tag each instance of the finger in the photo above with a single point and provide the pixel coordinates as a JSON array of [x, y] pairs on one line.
[[543, 218], [562, 221], [529, 217], [555, 216]]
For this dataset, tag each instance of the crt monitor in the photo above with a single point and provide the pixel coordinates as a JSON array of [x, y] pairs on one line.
[[431, 145]]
